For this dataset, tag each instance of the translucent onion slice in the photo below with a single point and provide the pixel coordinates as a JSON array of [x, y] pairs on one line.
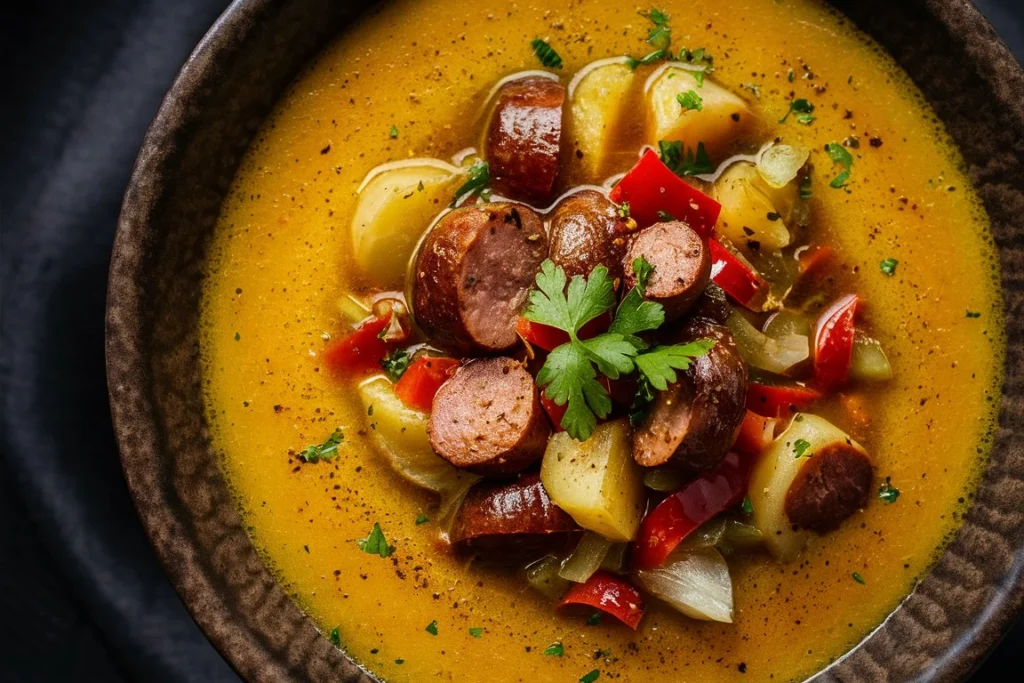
[[780, 164], [869, 362], [764, 352], [695, 583], [616, 559], [738, 536], [543, 577], [707, 536], [664, 479], [586, 559]]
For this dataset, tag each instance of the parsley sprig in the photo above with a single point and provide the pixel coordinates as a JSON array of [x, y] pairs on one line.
[[570, 373], [314, 453], [684, 161], [838, 154], [478, 177], [546, 54]]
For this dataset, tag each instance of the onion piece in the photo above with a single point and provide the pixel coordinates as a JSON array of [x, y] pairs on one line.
[[695, 583], [764, 352], [786, 322], [615, 560], [738, 535], [664, 479], [542, 575], [707, 536], [586, 559], [780, 164], [868, 361]]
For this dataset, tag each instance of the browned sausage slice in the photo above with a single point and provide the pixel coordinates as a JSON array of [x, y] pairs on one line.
[[586, 231], [473, 273], [495, 513], [488, 418], [682, 265], [524, 138], [831, 486], [693, 423]]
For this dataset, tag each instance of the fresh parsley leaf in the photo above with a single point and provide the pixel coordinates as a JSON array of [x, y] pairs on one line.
[[841, 156], [335, 637], [790, 76], [887, 493], [802, 108], [476, 632], [589, 298], [888, 266], [594, 619], [395, 364], [800, 447], [684, 162], [660, 35], [636, 315], [394, 131], [612, 352], [569, 378], [641, 404], [547, 304], [840, 181], [858, 578], [748, 505], [399, 661], [623, 210], [477, 179], [806, 191], [554, 650], [546, 54], [659, 365], [314, 453], [973, 314], [432, 628], [690, 101], [375, 543], [665, 217], [238, 337], [643, 270], [590, 677], [422, 519]]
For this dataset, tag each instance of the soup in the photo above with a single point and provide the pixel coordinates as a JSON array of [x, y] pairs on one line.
[[859, 335]]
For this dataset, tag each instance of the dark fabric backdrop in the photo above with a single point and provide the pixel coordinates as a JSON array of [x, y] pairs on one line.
[[82, 597]]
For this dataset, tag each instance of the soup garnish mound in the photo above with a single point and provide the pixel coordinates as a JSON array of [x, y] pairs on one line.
[[601, 343]]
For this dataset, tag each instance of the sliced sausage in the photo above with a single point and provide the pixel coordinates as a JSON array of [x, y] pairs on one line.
[[692, 424], [499, 513], [712, 304], [473, 273], [488, 418], [586, 231], [833, 484], [682, 265], [524, 138]]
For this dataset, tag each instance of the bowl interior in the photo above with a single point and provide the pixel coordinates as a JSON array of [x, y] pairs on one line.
[[183, 172]]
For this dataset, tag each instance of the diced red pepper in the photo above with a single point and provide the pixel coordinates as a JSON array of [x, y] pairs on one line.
[[422, 379], [611, 595], [812, 258], [651, 187], [776, 400], [549, 338], [833, 343], [756, 434], [361, 351], [738, 279], [681, 513]]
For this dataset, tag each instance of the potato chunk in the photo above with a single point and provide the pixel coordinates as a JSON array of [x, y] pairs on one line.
[[723, 116], [811, 478], [752, 210], [596, 481], [395, 207], [597, 102]]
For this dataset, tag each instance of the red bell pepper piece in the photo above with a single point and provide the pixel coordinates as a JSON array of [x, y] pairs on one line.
[[611, 595], [651, 187], [682, 512], [422, 379], [756, 434], [738, 279], [833, 342], [360, 351], [550, 338], [812, 258], [777, 400]]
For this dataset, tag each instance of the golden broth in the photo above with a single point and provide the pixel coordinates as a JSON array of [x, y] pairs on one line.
[[280, 260]]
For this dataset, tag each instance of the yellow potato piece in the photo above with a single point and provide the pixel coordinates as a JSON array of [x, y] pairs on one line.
[[596, 481], [723, 116], [597, 103], [748, 205], [396, 205]]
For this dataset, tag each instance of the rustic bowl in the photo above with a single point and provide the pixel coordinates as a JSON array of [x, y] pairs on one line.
[[186, 163]]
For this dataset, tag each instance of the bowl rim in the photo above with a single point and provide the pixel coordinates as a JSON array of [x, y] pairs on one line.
[[134, 228]]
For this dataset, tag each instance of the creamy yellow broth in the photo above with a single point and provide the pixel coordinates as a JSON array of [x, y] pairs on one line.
[[280, 260]]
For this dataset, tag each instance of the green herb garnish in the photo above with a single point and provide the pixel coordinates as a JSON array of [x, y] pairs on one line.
[[800, 447], [554, 650], [335, 637], [748, 506], [858, 578], [478, 177], [660, 35], [476, 632], [840, 156], [690, 101], [642, 270], [375, 543], [888, 266], [665, 217], [802, 108], [590, 677], [594, 619], [238, 336], [806, 191], [623, 210], [399, 661], [973, 314], [394, 131], [325, 451], [649, 58], [546, 54], [684, 162], [422, 519], [395, 364], [432, 628], [887, 493]]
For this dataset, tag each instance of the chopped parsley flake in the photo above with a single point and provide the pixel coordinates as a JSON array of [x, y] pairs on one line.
[[649, 58], [594, 619], [590, 677], [432, 628], [748, 506], [335, 637], [887, 493], [841, 156], [477, 179], [888, 266], [858, 578], [238, 337], [476, 632], [554, 650], [800, 447], [690, 101], [802, 108], [659, 36], [684, 162], [643, 270], [422, 519], [394, 131], [399, 661], [665, 217], [395, 364], [973, 314], [623, 210], [375, 543], [325, 451], [546, 54], [806, 191]]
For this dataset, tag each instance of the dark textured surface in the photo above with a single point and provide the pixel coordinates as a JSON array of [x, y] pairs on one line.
[[80, 589]]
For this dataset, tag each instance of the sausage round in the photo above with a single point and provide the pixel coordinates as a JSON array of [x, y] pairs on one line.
[[831, 486], [488, 418], [473, 273], [682, 265], [497, 513], [692, 424], [586, 231], [524, 138]]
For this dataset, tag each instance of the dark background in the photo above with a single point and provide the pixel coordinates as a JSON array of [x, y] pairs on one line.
[[82, 597]]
